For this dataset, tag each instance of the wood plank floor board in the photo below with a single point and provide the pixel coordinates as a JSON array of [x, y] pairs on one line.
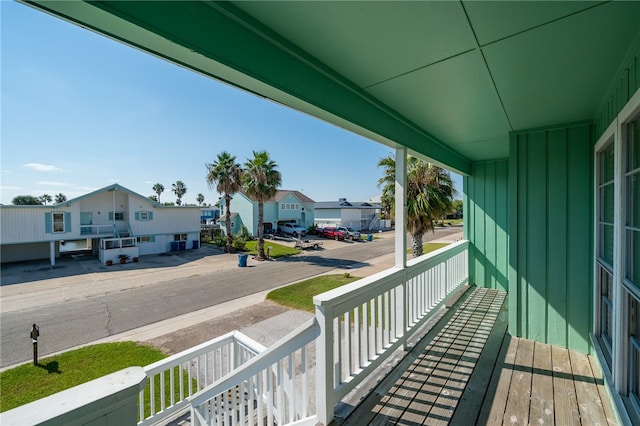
[[480, 379], [602, 391], [589, 402], [495, 401], [519, 399], [541, 411], [564, 392]]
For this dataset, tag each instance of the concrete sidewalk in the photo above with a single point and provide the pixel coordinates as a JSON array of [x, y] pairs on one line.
[[261, 320]]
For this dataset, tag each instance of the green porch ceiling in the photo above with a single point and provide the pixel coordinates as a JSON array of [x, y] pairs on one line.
[[447, 80]]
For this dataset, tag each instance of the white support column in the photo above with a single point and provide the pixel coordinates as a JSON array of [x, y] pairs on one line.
[[52, 252], [325, 399], [401, 208]]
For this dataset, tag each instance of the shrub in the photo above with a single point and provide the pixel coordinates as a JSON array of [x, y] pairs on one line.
[[220, 240], [245, 234], [238, 242]]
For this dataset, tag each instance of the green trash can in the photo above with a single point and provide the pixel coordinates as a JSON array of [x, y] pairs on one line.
[[242, 260]]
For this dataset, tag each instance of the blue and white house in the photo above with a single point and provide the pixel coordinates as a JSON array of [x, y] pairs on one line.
[[285, 206], [359, 215], [114, 220]]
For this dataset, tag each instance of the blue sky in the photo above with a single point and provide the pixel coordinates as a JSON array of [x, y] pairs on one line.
[[80, 112]]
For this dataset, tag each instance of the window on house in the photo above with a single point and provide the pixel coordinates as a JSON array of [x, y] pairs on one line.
[[180, 237], [144, 239], [144, 215], [58, 222]]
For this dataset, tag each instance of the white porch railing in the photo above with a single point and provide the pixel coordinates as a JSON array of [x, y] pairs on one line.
[[364, 322], [96, 229], [359, 326], [171, 381], [275, 387]]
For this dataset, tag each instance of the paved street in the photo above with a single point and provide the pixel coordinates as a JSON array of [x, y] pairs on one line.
[[81, 301]]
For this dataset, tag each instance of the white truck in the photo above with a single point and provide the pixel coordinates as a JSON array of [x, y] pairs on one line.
[[349, 233], [292, 229]]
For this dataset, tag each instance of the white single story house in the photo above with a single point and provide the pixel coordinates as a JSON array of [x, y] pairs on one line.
[[357, 215], [114, 220], [285, 206]]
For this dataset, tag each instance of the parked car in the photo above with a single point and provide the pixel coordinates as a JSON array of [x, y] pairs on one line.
[[350, 233], [293, 229], [331, 232]]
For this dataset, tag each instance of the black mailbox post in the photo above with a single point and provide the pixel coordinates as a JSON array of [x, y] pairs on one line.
[[35, 332]]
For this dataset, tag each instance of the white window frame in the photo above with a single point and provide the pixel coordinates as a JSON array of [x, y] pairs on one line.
[[143, 215], [620, 351]]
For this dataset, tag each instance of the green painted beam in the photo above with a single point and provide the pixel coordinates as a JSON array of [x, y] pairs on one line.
[[221, 41]]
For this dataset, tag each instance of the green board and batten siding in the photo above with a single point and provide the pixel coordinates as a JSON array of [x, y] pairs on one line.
[[485, 204], [551, 235]]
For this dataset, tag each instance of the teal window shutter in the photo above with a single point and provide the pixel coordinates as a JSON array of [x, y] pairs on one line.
[[150, 215], [110, 215], [137, 215], [67, 222], [48, 223]]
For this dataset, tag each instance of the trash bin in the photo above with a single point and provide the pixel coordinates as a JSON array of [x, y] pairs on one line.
[[174, 246], [183, 245], [196, 244], [242, 260], [369, 237]]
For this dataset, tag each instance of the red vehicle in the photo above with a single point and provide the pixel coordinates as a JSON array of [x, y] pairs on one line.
[[331, 232]]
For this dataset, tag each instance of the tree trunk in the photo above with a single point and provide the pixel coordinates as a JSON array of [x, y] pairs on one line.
[[416, 247], [227, 200], [261, 255]]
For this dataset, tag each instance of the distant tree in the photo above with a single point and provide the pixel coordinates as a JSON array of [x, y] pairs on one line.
[[429, 194], [200, 199], [26, 200], [261, 180], [61, 198], [154, 198], [179, 189], [169, 203], [158, 188], [45, 198], [456, 206], [226, 175]]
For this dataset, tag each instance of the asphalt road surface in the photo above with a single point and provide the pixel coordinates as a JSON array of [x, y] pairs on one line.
[[77, 322]]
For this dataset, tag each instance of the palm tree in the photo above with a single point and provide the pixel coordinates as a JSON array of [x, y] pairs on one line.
[[429, 195], [61, 198], [261, 180], [158, 188], [200, 199], [226, 175], [179, 189], [45, 198]]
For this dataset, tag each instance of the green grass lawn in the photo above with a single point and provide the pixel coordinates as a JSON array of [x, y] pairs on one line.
[[277, 250], [27, 383], [429, 247], [300, 295]]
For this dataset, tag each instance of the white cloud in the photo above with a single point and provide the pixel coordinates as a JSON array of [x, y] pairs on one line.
[[10, 188], [42, 167]]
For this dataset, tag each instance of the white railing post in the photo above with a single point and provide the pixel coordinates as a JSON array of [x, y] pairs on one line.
[[324, 365]]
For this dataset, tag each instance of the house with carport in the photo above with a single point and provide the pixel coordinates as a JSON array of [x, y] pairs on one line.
[[284, 207], [112, 220], [360, 215]]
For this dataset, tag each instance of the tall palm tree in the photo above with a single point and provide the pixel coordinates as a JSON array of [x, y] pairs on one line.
[[200, 199], [45, 198], [61, 198], [261, 180], [158, 188], [226, 175], [430, 192], [179, 189]]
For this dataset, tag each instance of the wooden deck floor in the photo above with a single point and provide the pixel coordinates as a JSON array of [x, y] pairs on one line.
[[468, 370]]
